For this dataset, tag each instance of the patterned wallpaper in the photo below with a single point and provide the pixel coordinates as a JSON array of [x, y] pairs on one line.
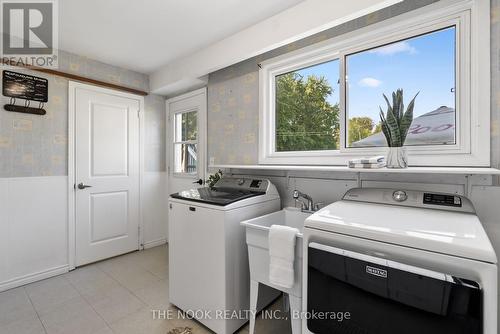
[[32, 145], [233, 114], [233, 92], [155, 134]]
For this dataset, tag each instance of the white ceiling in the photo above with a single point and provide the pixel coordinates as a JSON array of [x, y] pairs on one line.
[[143, 35]]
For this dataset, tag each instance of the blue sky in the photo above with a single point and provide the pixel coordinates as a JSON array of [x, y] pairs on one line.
[[424, 63]]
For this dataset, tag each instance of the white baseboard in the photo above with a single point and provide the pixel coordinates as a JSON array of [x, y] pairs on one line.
[[23, 280], [154, 243]]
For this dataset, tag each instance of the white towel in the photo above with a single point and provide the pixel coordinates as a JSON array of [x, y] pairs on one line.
[[367, 166], [282, 255]]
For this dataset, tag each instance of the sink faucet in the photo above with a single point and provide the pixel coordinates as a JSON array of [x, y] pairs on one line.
[[309, 206]]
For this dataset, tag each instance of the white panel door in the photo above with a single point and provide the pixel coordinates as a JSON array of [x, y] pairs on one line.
[[187, 122], [106, 174]]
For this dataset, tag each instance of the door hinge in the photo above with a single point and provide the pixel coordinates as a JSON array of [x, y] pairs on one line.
[[139, 113]]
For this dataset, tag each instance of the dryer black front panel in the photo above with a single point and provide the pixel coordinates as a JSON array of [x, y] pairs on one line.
[[380, 299]]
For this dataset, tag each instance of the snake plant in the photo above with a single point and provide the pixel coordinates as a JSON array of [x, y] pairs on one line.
[[212, 179], [396, 122]]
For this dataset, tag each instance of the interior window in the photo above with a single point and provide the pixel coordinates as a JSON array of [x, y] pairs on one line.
[[307, 108], [186, 142], [425, 65]]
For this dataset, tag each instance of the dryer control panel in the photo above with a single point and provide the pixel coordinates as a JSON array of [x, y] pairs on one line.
[[411, 198], [442, 199], [247, 184]]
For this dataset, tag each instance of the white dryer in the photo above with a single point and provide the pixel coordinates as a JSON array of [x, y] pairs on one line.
[[208, 258], [391, 261]]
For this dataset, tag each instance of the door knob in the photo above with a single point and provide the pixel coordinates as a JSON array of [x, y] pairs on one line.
[[200, 182], [83, 186]]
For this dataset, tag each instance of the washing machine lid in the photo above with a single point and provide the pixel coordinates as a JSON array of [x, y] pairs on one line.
[[229, 193], [450, 232], [219, 196]]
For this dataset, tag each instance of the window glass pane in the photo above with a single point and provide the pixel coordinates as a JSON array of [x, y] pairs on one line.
[[307, 108], [186, 126], [424, 64], [185, 158]]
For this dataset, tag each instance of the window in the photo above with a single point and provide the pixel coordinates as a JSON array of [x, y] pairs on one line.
[[320, 105], [186, 142], [307, 109], [425, 65]]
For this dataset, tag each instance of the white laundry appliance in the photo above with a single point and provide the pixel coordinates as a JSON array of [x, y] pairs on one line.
[[391, 261], [208, 257]]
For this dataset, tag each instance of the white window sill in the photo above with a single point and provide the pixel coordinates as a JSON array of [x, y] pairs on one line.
[[409, 170]]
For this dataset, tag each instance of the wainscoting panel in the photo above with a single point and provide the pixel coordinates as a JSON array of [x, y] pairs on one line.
[[33, 229], [4, 228], [155, 209]]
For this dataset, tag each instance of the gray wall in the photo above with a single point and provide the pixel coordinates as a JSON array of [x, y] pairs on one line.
[[233, 92], [495, 83], [32, 145]]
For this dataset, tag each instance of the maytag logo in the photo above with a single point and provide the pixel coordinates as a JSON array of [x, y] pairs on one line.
[[376, 271]]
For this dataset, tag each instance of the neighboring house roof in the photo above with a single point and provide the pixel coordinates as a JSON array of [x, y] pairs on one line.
[[433, 128]]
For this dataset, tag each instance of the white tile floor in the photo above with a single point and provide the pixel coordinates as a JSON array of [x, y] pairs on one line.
[[112, 296]]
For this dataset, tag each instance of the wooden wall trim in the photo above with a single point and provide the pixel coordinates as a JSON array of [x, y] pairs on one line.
[[80, 78]]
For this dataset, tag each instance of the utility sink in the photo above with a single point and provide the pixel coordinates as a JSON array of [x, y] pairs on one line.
[[289, 216], [257, 237]]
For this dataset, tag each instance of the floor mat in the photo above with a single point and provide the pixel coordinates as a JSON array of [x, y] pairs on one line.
[[181, 330]]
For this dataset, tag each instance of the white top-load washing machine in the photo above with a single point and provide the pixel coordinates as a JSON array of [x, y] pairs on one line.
[[208, 258], [391, 261]]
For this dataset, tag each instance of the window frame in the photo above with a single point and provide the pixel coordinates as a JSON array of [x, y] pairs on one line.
[[175, 129], [472, 91]]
